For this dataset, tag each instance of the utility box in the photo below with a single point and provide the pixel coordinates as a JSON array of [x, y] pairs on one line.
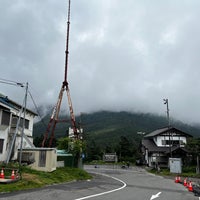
[[175, 165], [41, 159], [64, 159]]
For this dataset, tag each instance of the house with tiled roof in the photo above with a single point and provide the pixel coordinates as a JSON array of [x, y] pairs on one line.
[[161, 144], [9, 117]]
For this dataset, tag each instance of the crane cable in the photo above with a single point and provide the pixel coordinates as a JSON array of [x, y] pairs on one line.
[[37, 110]]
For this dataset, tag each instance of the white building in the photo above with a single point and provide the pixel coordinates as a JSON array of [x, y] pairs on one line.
[[79, 132], [159, 145], [9, 115]]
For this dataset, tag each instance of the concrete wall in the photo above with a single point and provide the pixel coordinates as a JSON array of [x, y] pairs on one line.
[[50, 159]]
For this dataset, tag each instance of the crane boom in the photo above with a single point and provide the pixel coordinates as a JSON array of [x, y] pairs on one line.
[[65, 83], [65, 87]]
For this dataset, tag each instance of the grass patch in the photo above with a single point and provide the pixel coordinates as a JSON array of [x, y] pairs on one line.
[[36, 179], [186, 172]]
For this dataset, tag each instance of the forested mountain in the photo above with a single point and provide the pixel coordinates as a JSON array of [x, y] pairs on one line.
[[108, 132], [106, 128]]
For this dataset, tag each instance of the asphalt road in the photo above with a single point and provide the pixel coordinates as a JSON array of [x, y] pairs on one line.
[[110, 183]]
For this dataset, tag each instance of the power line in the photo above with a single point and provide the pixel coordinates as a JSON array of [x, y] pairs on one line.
[[10, 82], [14, 83], [37, 110]]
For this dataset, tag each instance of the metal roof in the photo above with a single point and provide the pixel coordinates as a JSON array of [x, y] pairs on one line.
[[166, 130], [12, 104], [152, 147]]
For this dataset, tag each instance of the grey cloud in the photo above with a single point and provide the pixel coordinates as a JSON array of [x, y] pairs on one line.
[[124, 55]]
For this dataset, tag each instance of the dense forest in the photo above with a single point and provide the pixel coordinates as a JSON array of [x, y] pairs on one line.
[[108, 132]]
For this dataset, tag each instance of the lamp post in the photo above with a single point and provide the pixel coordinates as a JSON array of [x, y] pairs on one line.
[[23, 126], [167, 104]]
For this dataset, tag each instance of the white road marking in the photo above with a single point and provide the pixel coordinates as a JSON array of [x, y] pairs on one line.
[[155, 196], [107, 192]]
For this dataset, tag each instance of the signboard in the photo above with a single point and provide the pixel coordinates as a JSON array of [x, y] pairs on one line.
[[110, 157]]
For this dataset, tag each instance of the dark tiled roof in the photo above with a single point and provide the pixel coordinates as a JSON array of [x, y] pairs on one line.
[[165, 130], [151, 146], [177, 148]]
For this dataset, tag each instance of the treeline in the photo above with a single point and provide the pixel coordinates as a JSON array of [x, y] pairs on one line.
[[108, 132], [126, 149]]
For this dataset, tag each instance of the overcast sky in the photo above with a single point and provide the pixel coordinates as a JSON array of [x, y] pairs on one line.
[[124, 55]]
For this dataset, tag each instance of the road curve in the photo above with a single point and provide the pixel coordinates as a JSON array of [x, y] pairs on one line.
[[110, 183]]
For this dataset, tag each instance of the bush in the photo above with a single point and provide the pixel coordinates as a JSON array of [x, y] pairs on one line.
[[189, 169]]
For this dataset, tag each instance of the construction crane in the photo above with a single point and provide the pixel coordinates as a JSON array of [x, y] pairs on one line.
[[65, 87]]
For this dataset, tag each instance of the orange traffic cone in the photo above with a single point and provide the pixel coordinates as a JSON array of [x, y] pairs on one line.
[[13, 175], [188, 184], [2, 173], [176, 179], [190, 188], [179, 179], [185, 182]]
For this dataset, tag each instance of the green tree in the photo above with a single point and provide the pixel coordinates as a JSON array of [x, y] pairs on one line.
[[125, 148], [38, 141], [193, 145], [63, 143], [93, 151], [74, 146]]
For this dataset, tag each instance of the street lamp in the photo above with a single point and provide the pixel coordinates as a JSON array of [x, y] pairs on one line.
[[23, 126], [167, 104]]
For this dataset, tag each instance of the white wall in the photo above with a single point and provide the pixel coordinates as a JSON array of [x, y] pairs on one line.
[[6, 132], [4, 136], [174, 137]]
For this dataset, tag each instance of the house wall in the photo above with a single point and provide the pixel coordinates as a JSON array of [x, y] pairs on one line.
[[161, 140], [4, 139], [153, 159], [28, 131], [7, 131]]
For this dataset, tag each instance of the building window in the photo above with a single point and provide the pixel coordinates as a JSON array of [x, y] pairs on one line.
[[177, 142], [15, 119], [174, 142], [168, 142], [42, 159], [1, 145], [5, 120], [26, 123], [163, 142]]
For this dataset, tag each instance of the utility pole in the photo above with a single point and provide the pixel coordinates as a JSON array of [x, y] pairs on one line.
[[167, 104], [23, 126], [23, 108]]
